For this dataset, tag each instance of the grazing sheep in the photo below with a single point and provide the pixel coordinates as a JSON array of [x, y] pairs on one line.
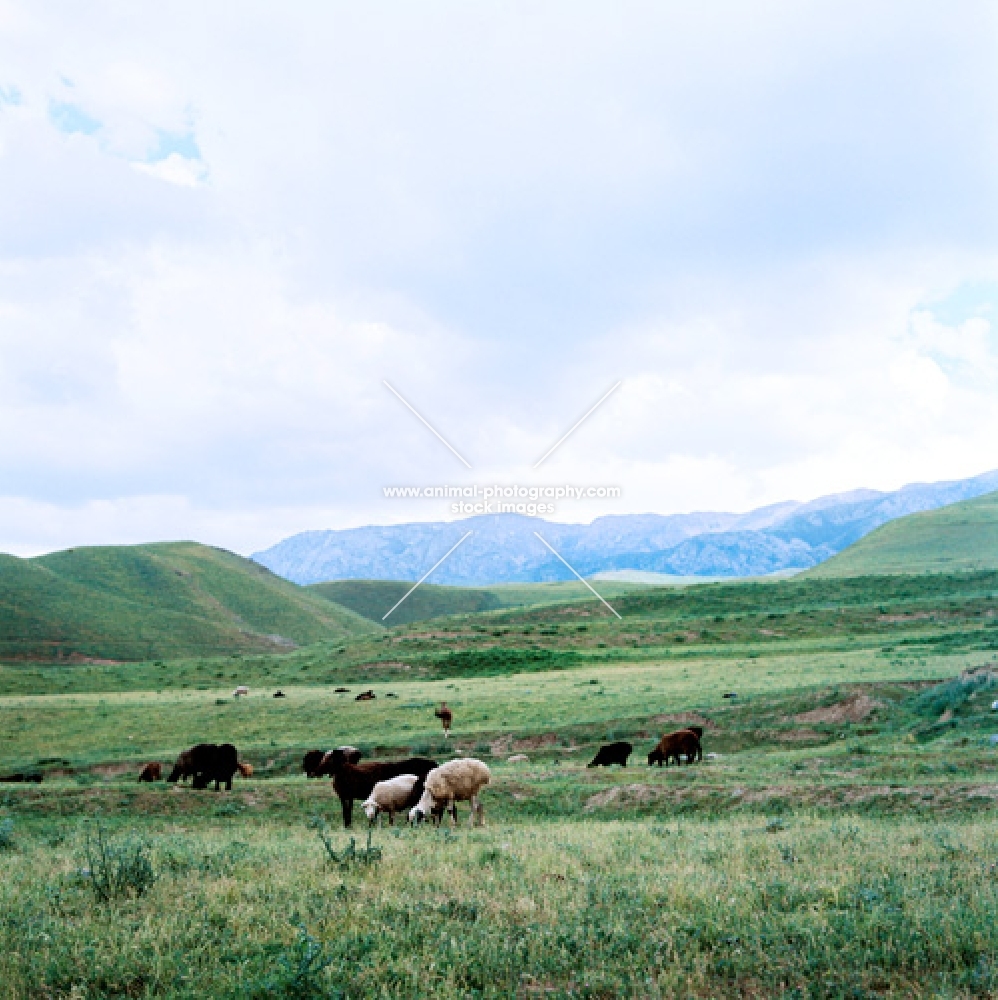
[[368, 695], [675, 746], [240, 691], [390, 796], [456, 781], [151, 772], [446, 717], [205, 763], [357, 781], [311, 761], [246, 770], [612, 753]]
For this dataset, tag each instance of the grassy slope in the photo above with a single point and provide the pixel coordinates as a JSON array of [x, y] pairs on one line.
[[373, 598], [816, 856], [151, 601], [960, 537]]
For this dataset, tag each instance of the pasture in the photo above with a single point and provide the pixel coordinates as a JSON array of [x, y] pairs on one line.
[[838, 840]]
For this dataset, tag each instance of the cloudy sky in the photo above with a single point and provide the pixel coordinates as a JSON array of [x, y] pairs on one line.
[[222, 226]]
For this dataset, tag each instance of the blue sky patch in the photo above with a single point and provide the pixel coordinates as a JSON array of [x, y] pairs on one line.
[[71, 119], [974, 298], [169, 143], [10, 95]]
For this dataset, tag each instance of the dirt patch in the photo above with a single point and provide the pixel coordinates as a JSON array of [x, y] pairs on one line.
[[855, 708], [916, 616], [115, 770], [799, 735], [535, 742], [623, 795], [500, 747], [684, 719]]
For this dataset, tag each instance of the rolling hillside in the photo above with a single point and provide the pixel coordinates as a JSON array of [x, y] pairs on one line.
[[373, 598], [156, 601], [963, 536]]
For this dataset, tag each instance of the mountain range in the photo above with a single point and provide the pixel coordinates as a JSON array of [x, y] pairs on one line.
[[504, 548]]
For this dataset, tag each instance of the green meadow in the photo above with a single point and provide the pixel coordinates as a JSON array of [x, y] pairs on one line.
[[838, 839]]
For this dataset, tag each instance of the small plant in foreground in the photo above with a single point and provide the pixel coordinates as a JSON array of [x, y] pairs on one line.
[[116, 869], [350, 854], [301, 967], [6, 834]]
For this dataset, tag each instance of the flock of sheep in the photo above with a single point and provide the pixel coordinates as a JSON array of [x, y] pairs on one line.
[[417, 786]]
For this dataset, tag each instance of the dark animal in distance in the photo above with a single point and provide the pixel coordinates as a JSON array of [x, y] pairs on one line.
[[357, 781], [311, 761], [729, 694], [612, 753], [674, 746], [205, 763], [341, 690], [151, 772], [280, 694], [446, 717], [32, 777], [366, 696]]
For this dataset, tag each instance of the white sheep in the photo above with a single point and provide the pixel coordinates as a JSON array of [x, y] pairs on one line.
[[456, 781], [240, 691], [389, 796]]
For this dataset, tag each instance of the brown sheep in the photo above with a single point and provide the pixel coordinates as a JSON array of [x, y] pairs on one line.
[[366, 696], [357, 781], [446, 717], [151, 772], [676, 745], [246, 770]]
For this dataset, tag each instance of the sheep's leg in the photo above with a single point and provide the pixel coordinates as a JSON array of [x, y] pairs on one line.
[[453, 812]]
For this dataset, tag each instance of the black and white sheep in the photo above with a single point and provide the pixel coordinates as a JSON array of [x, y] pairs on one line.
[[456, 781], [390, 797]]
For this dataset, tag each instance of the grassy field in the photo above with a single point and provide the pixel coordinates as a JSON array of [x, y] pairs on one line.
[[960, 537], [838, 840], [149, 601]]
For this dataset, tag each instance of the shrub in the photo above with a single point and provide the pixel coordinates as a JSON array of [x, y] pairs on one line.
[[113, 870], [951, 694], [350, 854], [300, 970], [6, 834]]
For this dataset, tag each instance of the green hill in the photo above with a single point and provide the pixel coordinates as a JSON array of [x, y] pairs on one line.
[[372, 598], [960, 537], [156, 601]]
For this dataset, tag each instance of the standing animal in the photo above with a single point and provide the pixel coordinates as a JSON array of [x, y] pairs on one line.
[[246, 770], [32, 777], [357, 781], [446, 717], [456, 781], [151, 772], [675, 745], [612, 753], [390, 796], [368, 695], [313, 763], [240, 691], [280, 694], [205, 763]]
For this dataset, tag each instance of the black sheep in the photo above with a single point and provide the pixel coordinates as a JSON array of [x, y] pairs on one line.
[[612, 753]]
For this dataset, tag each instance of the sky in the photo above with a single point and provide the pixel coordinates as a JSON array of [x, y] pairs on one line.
[[224, 226]]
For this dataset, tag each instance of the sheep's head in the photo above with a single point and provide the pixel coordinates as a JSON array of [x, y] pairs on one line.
[[425, 805], [370, 808]]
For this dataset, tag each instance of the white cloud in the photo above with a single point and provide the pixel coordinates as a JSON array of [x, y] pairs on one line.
[[745, 213]]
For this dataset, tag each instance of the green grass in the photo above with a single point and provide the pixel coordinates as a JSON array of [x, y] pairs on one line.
[[375, 598], [960, 537], [150, 601], [838, 840]]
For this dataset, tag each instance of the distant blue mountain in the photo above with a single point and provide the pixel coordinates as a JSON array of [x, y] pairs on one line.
[[504, 549]]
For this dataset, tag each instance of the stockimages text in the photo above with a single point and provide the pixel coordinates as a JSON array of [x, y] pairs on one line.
[[495, 499]]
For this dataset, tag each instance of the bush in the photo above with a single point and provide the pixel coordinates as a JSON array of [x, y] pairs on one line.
[[952, 694], [6, 834], [113, 870]]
